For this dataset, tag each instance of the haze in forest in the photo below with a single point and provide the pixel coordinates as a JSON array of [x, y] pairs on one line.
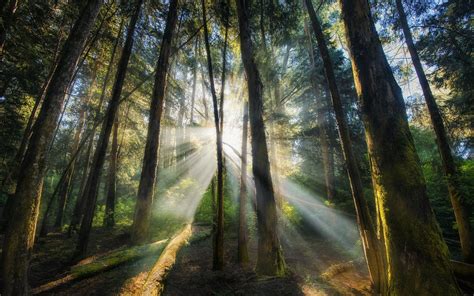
[[236, 147]]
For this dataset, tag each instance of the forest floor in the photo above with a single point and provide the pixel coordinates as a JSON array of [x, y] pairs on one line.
[[327, 273]]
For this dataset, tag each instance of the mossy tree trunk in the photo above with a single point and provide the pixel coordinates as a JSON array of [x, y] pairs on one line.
[[143, 206], [373, 248], [458, 199], [93, 180], [20, 232], [218, 247], [417, 258], [270, 259]]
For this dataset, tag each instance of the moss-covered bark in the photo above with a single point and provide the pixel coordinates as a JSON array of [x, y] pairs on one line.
[[416, 255]]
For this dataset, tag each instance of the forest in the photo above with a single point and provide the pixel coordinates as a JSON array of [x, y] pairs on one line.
[[237, 147]]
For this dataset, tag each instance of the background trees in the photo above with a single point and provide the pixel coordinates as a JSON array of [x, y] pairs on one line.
[[310, 171]]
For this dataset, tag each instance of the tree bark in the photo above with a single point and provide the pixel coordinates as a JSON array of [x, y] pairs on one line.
[[458, 200], [143, 206], [218, 247], [92, 185], [109, 218], [242, 246], [416, 255], [371, 245], [270, 259], [19, 236]]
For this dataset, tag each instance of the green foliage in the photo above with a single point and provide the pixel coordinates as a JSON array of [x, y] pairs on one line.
[[291, 214], [204, 213]]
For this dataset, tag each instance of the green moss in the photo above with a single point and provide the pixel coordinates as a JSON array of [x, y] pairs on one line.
[[116, 258]]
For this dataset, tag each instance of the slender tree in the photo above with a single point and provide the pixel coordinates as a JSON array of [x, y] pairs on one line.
[[63, 194], [458, 198], [242, 246], [324, 133], [109, 218], [218, 248], [416, 255], [20, 233], [270, 259], [193, 94], [143, 206], [371, 245], [92, 185]]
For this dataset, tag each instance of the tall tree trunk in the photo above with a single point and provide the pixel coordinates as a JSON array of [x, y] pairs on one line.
[[458, 200], [372, 247], [242, 247], [92, 185], [270, 259], [416, 255], [143, 206], [109, 218], [218, 248], [19, 236]]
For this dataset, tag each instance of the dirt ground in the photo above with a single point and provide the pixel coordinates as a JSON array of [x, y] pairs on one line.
[[192, 274]]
